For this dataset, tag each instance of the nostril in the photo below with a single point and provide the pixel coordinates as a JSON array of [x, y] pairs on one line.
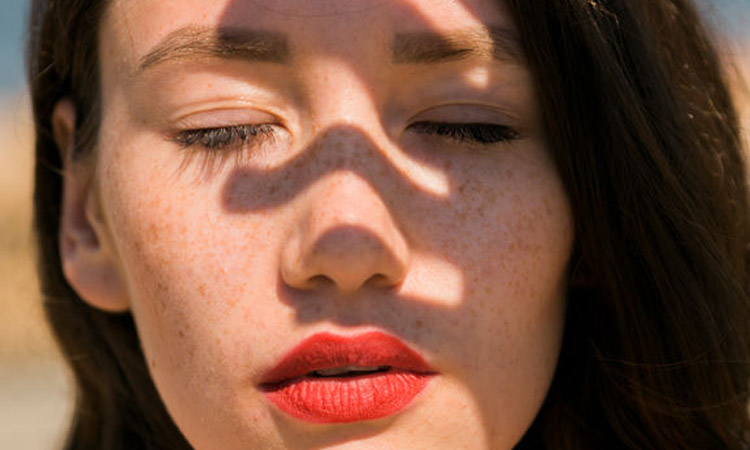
[[378, 280], [348, 257], [319, 281], [322, 282]]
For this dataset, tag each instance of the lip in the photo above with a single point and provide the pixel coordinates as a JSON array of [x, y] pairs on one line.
[[292, 387]]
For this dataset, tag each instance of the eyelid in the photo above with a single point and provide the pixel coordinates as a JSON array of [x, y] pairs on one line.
[[225, 117], [458, 113]]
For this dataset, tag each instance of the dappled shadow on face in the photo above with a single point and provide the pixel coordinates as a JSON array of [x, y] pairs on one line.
[[338, 149], [423, 209]]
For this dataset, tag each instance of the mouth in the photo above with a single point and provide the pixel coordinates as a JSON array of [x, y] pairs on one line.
[[340, 379], [348, 371]]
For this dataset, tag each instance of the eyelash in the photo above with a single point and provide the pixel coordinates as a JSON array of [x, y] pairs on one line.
[[234, 136], [223, 137], [476, 133]]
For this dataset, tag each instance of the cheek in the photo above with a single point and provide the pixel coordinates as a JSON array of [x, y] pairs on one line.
[[186, 270], [190, 270], [518, 266], [508, 227], [511, 239]]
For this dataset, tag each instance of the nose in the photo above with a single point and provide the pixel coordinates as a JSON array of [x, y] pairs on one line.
[[345, 237]]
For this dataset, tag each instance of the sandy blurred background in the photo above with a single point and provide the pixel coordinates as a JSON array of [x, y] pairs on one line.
[[34, 386], [35, 394]]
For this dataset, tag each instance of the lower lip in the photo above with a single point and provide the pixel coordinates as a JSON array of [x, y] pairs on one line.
[[342, 400]]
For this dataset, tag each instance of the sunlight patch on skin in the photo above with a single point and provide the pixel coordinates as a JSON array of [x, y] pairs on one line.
[[452, 11], [317, 8], [478, 77], [429, 179], [435, 281]]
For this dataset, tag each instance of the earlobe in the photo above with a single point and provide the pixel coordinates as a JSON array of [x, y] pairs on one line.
[[86, 253]]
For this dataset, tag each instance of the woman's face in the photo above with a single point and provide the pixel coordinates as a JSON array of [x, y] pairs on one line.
[[336, 224]]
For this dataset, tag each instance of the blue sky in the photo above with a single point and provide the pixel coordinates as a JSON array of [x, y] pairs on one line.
[[734, 16]]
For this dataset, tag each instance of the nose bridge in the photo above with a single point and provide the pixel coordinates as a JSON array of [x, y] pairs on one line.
[[346, 95], [346, 237], [346, 198]]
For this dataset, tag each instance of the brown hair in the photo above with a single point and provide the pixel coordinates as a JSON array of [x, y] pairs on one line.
[[656, 353]]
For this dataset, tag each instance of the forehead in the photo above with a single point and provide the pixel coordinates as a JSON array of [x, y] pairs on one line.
[[133, 27]]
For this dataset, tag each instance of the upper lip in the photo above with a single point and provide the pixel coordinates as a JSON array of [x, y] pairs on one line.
[[327, 351]]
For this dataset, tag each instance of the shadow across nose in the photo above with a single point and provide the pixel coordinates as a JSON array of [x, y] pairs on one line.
[[340, 148]]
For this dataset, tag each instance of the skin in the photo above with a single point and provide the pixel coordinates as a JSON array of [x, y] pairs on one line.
[[349, 219]]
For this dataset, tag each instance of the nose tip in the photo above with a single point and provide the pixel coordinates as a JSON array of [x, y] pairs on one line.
[[346, 238], [349, 258]]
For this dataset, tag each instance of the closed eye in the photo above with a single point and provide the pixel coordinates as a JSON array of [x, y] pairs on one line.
[[228, 137], [213, 147], [476, 133]]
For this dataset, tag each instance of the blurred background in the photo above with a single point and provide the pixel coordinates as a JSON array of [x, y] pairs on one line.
[[35, 392]]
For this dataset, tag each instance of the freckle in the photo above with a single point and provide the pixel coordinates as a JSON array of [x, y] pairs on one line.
[[202, 290], [418, 324], [152, 231], [153, 364]]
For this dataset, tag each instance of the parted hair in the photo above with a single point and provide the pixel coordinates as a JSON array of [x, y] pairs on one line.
[[641, 125]]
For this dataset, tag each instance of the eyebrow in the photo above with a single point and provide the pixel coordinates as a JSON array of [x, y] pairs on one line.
[[194, 42], [424, 47], [498, 43]]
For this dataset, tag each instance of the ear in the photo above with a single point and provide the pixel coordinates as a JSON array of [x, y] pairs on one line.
[[86, 252]]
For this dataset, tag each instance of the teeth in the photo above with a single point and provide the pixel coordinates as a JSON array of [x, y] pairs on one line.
[[347, 369]]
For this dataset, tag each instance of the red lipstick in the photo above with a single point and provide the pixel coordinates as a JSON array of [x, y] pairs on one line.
[[340, 379]]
